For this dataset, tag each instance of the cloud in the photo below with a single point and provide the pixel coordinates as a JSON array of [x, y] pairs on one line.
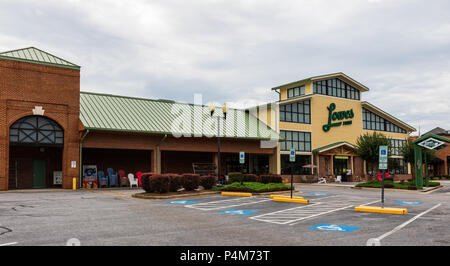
[[235, 51]]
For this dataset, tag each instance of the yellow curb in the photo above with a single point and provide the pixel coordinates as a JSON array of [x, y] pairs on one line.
[[380, 210], [291, 200], [236, 194], [279, 196]]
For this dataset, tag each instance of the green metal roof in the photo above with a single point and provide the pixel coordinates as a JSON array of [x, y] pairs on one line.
[[105, 112], [36, 56]]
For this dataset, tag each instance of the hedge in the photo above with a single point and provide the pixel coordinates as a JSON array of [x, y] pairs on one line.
[[191, 181], [266, 179], [175, 182], [159, 183], [208, 181]]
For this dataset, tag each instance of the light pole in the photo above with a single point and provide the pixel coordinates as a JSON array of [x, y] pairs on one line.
[[212, 108]]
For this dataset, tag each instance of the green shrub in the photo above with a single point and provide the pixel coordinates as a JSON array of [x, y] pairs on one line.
[[412, 187], [191, 181], [389, 185], [159, 184], [254, 187], [208, 181]]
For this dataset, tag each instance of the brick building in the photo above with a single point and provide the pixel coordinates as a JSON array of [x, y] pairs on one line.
[[48, 128]]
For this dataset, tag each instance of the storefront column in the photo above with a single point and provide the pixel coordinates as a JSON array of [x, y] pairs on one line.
[[156, 161], [332, 165], [216, 162]]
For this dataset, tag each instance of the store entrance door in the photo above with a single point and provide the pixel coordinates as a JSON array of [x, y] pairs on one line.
[[340, 167]]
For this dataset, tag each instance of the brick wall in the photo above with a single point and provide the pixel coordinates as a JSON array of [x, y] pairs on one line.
[[24, 86]]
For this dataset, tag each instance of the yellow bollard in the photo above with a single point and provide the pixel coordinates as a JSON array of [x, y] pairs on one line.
[[74, 183]]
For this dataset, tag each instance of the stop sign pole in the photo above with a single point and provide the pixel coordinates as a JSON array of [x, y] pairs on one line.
[[382, 165]]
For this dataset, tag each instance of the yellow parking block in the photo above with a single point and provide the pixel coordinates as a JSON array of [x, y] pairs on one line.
[[290, 200], [237, 194], [280, 196], [381, 210]]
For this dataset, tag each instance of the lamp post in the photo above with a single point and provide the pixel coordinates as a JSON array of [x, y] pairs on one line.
[[212, 108]]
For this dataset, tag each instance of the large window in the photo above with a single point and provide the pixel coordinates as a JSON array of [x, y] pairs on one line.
[[300, 161], [397, 166], [336, 88], [36, 130], [300, 141], [372, 121], [294, 92], [397, 144], [299, 112]]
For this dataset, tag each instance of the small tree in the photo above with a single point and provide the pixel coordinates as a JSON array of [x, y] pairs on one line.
[[367, 147]]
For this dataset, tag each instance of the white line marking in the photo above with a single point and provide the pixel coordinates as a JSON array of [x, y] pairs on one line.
[[8, 244], [217, 205], [407, 222], [315, 215]]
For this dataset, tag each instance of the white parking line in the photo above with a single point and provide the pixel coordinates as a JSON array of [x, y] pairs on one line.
[[8, 244], [405, 223], [293, 216], [222, 204]]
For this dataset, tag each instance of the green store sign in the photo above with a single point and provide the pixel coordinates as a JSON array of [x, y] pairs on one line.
[[337, 116]]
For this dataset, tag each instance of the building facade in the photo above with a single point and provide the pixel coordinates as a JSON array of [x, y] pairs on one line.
[[321, 118], [50, 132]]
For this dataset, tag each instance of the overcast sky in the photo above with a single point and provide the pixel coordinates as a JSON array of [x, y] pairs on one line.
[[236, 51]]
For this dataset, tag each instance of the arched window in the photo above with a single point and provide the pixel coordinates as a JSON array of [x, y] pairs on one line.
[[36, 130]]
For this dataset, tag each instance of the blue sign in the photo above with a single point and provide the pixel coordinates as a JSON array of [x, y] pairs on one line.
[[335, 228], [239, 212], [182, 202], [408, 202], [292, 155], [317, 194]]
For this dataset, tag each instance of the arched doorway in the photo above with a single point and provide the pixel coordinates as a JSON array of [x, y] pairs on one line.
[[35, 153]]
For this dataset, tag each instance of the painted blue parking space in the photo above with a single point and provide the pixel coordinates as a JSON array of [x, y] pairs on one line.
[[181, 202], [239, 212], [335, 228]]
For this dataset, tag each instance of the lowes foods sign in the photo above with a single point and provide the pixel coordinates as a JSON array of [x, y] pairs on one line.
[[337, 119]]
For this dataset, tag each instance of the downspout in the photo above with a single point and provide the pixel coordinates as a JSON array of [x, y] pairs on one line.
[[81, 156], [158, 160]]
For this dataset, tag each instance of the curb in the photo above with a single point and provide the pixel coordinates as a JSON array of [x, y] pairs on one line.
[[399, 190], [290, 200], [174, 196], [380, 210]]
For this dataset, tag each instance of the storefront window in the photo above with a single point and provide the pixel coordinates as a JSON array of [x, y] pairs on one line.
[[397, 166], [300, 161], [300, 141], [372, 121], [397, 144], [294, 92], [299, 112], [336, 88]]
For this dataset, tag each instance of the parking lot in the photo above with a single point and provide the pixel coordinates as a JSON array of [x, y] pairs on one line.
[[113, 217]]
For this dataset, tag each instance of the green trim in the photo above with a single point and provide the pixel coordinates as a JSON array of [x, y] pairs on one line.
[[431, 136], [38, 62], [171, 133]]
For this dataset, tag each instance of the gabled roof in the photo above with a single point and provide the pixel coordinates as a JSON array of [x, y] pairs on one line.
[[389, 117], [438, 131], [339, 75], [334, 146], [105, 112], [36, 56]]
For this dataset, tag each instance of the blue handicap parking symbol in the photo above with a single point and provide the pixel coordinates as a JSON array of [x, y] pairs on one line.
[[335, 228], [408, 202], [239, 212], [317, 194], [182, 202]]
